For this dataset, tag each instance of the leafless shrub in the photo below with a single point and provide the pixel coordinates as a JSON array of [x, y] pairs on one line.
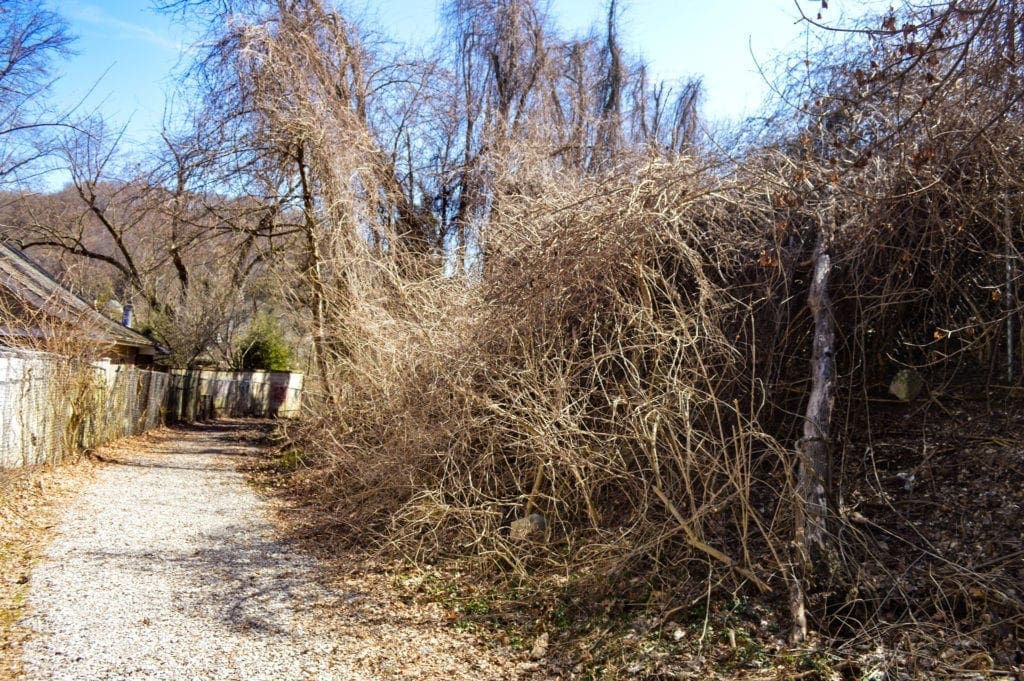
[[630, 360], [634, 360]]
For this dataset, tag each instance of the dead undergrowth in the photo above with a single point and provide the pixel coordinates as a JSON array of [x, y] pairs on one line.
[[614, 402], [931, 517], [633, 371]]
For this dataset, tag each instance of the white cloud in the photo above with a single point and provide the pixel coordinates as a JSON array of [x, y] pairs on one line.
[[82, 13]]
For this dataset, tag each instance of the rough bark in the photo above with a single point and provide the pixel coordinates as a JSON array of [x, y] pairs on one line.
[[315, 278], [813, 455]]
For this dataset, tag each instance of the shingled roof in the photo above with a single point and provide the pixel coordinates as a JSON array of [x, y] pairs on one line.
[[30, 286]]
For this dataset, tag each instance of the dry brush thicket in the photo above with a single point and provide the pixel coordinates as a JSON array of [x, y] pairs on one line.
[[632, 360]]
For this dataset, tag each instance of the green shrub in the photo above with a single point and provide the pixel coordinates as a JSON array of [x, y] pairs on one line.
[[264, 348]]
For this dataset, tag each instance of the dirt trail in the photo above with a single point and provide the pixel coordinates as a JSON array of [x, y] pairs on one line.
[[167, 567]]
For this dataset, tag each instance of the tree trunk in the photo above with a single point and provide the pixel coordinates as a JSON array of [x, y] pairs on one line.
[[813, 456], [315, 277]]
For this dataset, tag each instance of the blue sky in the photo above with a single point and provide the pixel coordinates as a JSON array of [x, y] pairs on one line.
[[127, 52]]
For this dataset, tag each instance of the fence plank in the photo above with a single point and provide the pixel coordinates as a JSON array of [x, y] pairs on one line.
[[52, 406]]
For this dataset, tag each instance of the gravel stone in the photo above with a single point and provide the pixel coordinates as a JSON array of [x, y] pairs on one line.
[[167, 568]]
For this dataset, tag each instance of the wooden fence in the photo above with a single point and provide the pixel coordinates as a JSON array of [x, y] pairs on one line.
[[51, 406], [207, 394]]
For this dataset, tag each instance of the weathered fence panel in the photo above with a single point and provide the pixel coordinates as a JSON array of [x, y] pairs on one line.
[[134, 402], [31, 430], [205, 394], [51, 406]]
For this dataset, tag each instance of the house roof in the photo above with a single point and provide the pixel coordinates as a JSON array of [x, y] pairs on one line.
[[29, 284]]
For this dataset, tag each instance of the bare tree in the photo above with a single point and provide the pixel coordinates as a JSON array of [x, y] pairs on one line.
[[183, 257], [31, 37], [304, 113], [528, 99]]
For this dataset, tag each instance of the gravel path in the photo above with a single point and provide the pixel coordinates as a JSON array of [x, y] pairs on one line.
[[166, 568]]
